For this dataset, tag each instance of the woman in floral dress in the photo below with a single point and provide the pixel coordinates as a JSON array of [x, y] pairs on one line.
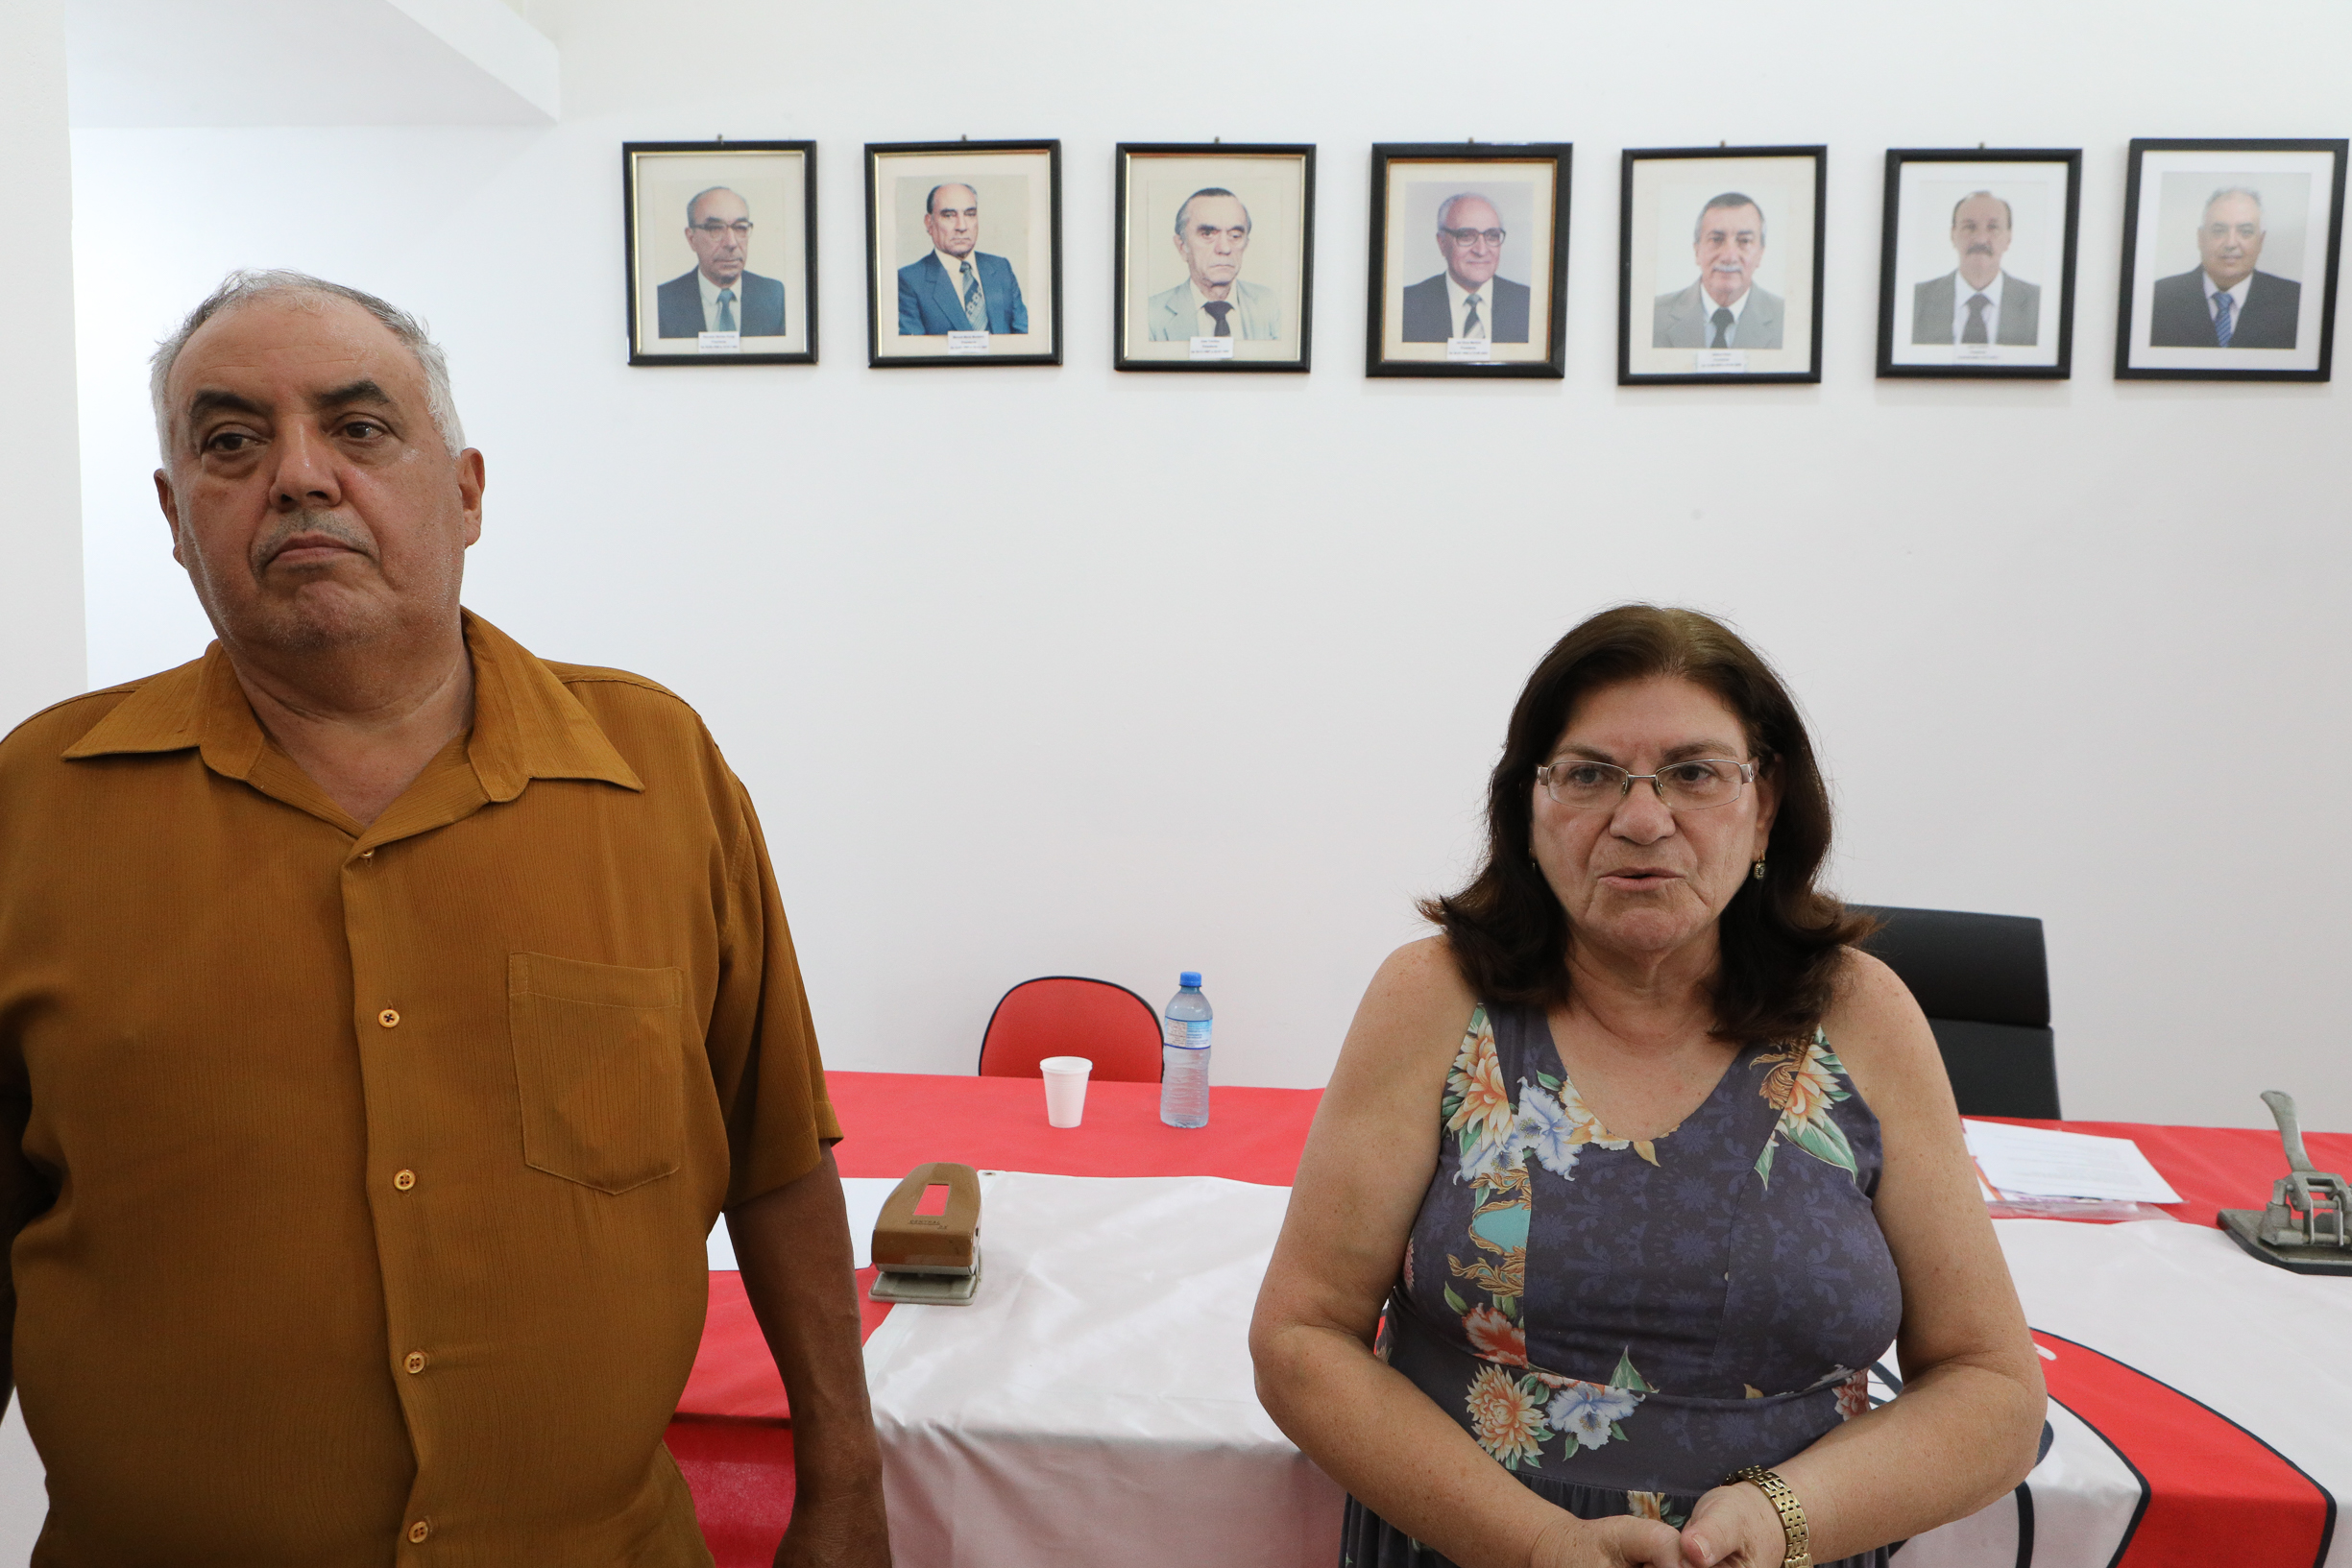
[[1623, 1182]]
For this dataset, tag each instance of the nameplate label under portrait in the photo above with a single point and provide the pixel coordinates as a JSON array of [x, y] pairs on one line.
[[1212, 348], [1470, 352], [1977, 353], [1720, 359], [718, 343], [967, 343]]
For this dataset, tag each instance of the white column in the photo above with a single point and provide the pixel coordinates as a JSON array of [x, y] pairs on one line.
[[42, 652]]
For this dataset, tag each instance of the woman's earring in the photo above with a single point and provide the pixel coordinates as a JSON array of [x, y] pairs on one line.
[[1757, 871]]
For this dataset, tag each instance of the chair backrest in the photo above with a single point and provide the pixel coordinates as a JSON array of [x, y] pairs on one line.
[[1067, 1015], [1983, 981]]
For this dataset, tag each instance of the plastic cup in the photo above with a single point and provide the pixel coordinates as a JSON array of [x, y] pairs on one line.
[[1065, 1089]]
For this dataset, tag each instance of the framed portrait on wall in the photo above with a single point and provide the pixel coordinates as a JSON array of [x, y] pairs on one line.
[[1470, 260], [1214, 256], [1976, 265], [964, 252], [721, 251], [2229, 260], [1719, 264]]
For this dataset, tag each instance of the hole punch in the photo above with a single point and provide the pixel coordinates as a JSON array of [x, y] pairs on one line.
[[926, 1238]]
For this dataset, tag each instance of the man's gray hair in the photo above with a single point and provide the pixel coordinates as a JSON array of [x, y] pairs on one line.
[[246, 285], [1445, 208], [2247, 191], [930, 209], [1729, 198], [1210, 190], [2007, 214], [695, 200]]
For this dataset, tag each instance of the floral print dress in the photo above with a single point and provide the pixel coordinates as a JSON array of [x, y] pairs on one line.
[[1620, 1323]]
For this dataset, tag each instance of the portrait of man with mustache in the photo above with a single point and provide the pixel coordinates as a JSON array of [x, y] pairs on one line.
[[1722, 309], [1978, 302]]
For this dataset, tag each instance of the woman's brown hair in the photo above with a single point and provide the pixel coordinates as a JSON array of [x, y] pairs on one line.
[[1781, 936]]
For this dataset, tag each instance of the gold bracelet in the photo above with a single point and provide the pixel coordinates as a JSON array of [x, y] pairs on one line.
[[1793, 1512]]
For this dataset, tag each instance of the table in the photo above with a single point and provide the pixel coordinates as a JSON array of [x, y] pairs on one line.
[[733, 1437], [2162, 1343]]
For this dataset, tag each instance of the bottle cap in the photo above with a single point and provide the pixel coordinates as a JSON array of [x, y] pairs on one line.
[[1190, 980]]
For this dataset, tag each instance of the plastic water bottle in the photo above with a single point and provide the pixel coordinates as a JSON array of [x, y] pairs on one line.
[[1184, 1059]]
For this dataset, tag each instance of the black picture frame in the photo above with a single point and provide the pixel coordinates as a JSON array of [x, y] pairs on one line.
[[877, 356], [633, 259], [1628, 375], [1125, 352], [1379, 296], [1890, 280], [2130, 365]]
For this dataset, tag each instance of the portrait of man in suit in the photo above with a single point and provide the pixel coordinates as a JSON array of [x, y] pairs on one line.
[[1723, 308], [721, 295], [1977, 301], [2227, 301], [956, 286], [1467, 299], [1212, 236]]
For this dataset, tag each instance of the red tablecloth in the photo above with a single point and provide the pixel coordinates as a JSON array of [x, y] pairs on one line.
[[733, 1439]]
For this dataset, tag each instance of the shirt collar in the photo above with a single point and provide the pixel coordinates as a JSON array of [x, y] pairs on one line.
[[1456, 293], [1991, 291], [952, 265], [2235, 291], [710, 290], [1708, 307], [1233, 297], [527, 725]]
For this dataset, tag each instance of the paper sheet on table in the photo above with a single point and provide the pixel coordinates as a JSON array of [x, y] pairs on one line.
[[1098, 1390], [2051, 1164]]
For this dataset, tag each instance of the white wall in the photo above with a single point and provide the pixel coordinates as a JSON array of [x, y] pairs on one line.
[[41, 647], [1062, 670]]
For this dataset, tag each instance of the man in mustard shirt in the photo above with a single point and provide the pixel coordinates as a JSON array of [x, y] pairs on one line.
[[385, 1016]]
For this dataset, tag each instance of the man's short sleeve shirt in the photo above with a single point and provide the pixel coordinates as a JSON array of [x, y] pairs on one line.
[[363, 1173]]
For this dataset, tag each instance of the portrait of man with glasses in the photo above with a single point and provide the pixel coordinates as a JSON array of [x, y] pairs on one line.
[[722, 294], [1467, 299]]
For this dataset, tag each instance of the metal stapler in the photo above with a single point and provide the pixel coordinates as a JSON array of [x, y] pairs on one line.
[[2305, 1227], [931, 1258]]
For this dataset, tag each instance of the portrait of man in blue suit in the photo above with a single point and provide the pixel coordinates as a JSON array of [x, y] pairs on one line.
[[1467, 299], [958, 287], [721, 295]]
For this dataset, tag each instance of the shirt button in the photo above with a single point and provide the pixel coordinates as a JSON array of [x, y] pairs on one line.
[[367, 855], [419, 1531], [404, 1180], [415, 1362], [389, 1018]]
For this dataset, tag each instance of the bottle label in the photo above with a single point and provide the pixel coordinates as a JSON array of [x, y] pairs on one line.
[[1189, 1034]]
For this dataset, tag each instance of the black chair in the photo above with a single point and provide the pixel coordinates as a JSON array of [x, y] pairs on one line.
[[1983, 981]]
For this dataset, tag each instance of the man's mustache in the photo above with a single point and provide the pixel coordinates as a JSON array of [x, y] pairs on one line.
[[311, 522], [1980, 247]]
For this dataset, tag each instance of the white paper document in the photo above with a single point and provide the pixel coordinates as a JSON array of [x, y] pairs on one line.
[[2051, 1164]]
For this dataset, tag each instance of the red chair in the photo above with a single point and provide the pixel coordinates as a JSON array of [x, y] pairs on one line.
[[1066, 1015]]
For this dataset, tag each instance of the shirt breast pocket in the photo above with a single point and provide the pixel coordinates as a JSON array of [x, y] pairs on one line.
[[597, 1060]]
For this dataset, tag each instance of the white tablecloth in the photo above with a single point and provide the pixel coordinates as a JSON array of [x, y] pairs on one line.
[[1094, 1404], [2260, 1347]]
